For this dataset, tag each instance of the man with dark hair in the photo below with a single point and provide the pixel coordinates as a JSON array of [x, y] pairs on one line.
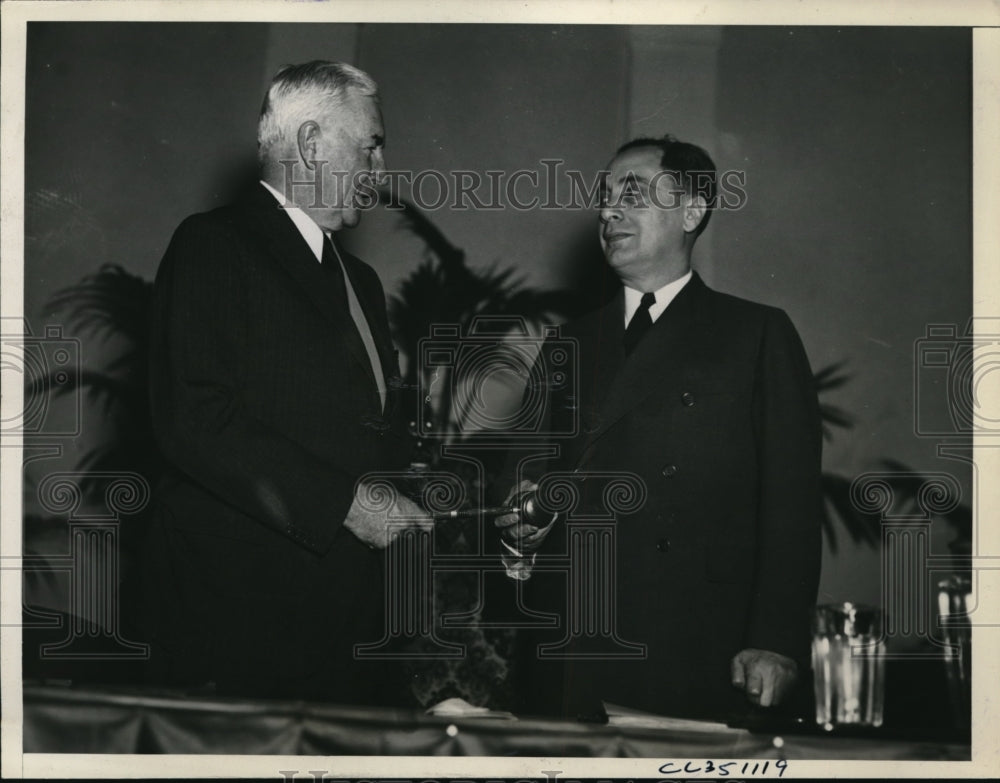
[[708, 401], [686, 168], [272, 397]]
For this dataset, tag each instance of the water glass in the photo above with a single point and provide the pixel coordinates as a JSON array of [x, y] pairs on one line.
[[954, 599], [848, 660]]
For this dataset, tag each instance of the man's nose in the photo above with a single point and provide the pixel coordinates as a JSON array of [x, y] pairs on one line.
[[610, 214]]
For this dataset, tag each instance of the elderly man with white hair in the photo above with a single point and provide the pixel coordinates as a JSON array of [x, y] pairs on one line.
[[272, 396]]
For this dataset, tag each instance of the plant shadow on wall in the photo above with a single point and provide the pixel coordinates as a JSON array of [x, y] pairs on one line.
[[861, 526], [112, 304], [443, 290], [104, 316], [107, 312]]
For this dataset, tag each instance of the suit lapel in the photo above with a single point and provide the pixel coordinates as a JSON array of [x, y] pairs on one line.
[[606, 334], [368, 297], [669, 338], [292, 253]]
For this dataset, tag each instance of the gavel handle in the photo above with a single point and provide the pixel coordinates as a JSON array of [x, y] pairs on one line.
[[488, 511]]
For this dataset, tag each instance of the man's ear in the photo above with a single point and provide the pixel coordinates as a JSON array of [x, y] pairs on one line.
[[308, 139], [694, 210]]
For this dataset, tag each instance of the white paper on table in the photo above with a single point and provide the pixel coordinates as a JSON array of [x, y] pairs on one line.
[[460, 708], [636, 719]]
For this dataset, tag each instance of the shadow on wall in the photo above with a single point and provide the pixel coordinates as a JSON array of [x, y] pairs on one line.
[[235, 176], [590, 281]]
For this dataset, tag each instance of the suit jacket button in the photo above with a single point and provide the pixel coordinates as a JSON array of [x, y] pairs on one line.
[[669, 471], [662, 545], [688, 399]]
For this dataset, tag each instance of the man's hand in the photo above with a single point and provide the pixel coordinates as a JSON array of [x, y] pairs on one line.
[[765, 676], [523, 537], [373, 527]]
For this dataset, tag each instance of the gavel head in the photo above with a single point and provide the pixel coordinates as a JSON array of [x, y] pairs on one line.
[[531, 512], [529, 508]]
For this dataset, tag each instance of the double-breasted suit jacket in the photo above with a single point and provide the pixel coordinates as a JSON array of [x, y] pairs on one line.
[[715, 412], [265, 404]]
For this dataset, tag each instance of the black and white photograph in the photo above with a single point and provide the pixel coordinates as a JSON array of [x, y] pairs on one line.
[[557, 391]]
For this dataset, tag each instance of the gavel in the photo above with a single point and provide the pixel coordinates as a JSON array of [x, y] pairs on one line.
[[525, 506]]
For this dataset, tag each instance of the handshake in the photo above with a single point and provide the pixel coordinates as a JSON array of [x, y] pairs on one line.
[[523, 526]]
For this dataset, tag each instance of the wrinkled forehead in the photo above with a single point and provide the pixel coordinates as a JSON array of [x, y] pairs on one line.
[[361, 112]]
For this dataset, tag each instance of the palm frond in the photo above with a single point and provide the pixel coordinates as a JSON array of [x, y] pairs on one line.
[[444, 289], [830, 377], [833, 417], [110, 301], [101, 388], [907, 484], [413, 220], [862, 527]]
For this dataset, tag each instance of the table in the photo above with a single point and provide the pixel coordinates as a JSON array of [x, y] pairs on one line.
[[60, 719]]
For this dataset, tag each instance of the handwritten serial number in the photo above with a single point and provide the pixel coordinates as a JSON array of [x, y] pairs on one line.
[[726, 768]]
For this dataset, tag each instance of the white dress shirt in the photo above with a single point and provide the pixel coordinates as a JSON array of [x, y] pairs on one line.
[[664, 296]]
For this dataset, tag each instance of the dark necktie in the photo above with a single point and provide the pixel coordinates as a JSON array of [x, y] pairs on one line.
[[331, 265], [640, 323]]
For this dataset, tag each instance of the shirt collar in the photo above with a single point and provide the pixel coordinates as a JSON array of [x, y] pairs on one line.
[[664, 296], [308, 228]]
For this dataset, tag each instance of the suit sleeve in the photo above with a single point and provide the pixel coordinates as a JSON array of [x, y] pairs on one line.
[[198, 366], [789, 438]]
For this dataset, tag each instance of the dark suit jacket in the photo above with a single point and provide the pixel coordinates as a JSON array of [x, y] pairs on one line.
[[716, 412], [264, 402]]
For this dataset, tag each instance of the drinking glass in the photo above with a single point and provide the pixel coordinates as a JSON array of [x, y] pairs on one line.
[[954, 599], [848, 660]]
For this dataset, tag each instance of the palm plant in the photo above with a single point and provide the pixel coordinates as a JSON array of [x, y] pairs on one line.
[[444, 289], [112, 306], [862, 526]]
